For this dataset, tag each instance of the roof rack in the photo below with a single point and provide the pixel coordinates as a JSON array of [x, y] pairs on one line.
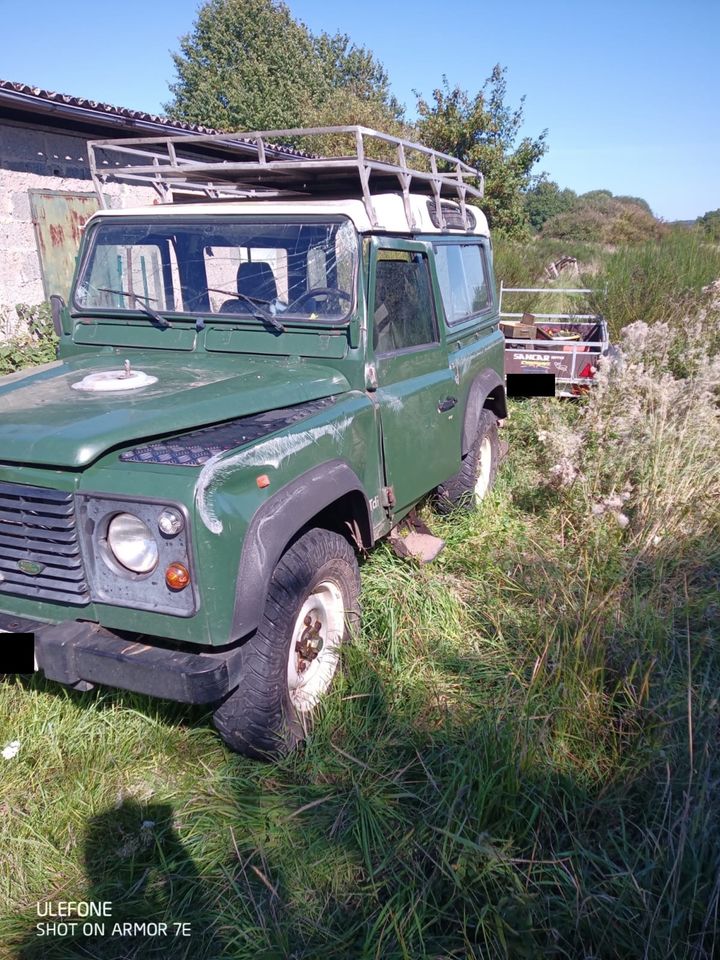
[[216, 165]]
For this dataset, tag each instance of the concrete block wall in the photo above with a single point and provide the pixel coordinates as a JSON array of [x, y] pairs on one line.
[[39, 159]]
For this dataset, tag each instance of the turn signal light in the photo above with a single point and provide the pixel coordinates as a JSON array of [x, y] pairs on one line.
[[177, 576]]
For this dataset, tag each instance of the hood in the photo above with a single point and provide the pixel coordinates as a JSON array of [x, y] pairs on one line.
[[46, 422]]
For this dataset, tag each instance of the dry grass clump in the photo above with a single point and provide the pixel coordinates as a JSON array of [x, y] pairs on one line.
[[653, 428]]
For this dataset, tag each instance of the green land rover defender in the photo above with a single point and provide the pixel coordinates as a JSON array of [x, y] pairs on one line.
[[258, 379]]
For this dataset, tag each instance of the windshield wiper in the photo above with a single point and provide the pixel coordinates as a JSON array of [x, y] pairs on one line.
[[153, 314], [263, 315]]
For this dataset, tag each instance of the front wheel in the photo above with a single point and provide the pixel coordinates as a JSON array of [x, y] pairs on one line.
[[476, 476], [290, 662]]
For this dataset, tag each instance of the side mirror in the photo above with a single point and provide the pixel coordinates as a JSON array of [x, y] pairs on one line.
[[57, 305]]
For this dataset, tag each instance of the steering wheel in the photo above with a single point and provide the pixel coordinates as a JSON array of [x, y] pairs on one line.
[[329, 292]]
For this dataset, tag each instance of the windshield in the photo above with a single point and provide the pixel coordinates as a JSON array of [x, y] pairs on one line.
[[302, 271]]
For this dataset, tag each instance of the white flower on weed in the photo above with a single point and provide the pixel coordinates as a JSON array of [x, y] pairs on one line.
[[613, 504], [563, 473], [10, 751], [148, 824]]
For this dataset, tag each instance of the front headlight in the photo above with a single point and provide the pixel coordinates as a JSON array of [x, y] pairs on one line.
[[132, 544]]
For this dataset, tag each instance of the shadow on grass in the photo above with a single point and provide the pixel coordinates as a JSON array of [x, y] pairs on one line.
[[134, 862]]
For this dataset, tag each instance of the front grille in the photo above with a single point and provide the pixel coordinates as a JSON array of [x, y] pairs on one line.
[[38, 533]]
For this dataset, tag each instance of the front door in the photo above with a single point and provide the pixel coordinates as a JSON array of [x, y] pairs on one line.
[[416, 390]]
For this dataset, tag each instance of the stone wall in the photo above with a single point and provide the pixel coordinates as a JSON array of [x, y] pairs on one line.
[[34, 158]]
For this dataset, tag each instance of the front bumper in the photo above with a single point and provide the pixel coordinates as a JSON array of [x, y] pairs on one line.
[[80, 653]]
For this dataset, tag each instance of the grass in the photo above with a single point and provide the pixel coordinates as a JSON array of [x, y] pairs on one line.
[[656, 282], [679, 265], [519, 761]]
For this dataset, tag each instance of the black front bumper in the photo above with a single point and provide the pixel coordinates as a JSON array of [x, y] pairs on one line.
[[75, 651]]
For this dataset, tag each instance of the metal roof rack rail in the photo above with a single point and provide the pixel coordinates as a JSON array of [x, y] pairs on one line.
[[216, 165]]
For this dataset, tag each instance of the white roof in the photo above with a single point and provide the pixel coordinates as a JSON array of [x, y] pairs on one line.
[[389, 210]]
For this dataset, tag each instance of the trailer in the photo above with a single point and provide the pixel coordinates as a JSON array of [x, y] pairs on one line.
[[567, 345]]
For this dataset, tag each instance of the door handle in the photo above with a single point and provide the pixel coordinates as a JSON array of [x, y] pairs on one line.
[[447, 404]]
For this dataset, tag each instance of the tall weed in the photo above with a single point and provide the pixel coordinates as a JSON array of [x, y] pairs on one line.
[[655, 281]]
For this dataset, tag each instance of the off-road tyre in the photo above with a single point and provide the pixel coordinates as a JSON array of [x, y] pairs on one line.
[[260, 717], [481, 461]]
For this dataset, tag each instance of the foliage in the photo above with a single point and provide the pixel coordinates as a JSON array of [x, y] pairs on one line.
[[248, 64], [519, 761], [600, 217], [483, 130], [36, 343], [709, 224], [638, 201], [545, 200]]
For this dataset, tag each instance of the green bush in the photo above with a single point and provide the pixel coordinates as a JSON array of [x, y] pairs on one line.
[[709, 223], [598, 218], [38, 344]]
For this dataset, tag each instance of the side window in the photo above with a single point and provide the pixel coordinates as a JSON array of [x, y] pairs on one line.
[[463, 278], [404, 314]]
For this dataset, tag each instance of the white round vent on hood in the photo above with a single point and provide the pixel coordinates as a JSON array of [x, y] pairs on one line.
[[110, 380]]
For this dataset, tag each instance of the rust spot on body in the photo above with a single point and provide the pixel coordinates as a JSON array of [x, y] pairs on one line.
[[57, 235]]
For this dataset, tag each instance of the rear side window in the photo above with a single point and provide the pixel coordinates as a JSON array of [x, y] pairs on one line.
[[404, 315], [463, 277]]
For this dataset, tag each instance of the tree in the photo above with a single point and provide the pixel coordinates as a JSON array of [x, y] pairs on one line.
[[709, 223], [599, 217], [483, 131], [248, 64], [546, 200]]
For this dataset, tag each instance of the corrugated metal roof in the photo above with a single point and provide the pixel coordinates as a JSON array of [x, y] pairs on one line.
[[106, 111]]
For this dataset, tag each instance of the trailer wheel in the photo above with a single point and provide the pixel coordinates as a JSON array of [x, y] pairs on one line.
[[476, 476], [289, 663]]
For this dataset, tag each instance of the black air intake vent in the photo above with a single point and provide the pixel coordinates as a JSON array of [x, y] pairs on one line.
[[196, 448]]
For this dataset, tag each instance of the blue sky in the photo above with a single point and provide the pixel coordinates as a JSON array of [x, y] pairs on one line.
[[629, 91]]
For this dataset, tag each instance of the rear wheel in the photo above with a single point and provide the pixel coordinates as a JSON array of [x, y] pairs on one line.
[[476, 476], [290, 662]]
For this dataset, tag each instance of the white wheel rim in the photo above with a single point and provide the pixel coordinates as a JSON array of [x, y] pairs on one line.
[[310, 672], [484, 464]]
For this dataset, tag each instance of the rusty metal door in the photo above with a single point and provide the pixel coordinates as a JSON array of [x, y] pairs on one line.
[[58, 219]]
